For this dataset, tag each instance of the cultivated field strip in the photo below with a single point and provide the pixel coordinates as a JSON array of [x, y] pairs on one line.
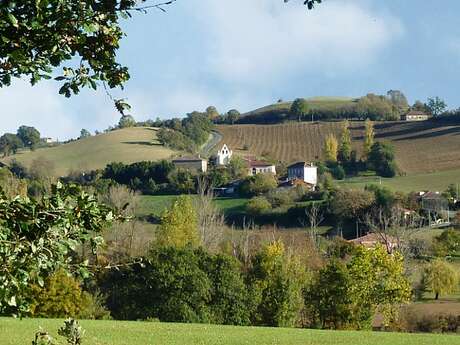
[[420, 147]]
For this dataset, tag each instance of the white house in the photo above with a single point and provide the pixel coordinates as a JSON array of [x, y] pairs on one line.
[[259, 167], [224, 155], [306, 172]]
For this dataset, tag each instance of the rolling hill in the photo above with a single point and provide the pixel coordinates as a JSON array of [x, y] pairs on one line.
[[421, 147], [125, 145], [315, 103]]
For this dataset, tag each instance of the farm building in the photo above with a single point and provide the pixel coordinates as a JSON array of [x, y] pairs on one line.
[[224, 155], [191, 163], [415, 115], [259, 167], [303, 171]]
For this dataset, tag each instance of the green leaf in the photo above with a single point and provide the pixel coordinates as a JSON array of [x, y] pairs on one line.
[[13, 20]]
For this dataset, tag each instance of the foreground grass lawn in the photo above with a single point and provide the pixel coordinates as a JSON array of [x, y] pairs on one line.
[[21, 332]]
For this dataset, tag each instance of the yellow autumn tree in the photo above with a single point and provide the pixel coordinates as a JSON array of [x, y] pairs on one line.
[[179, 224], [368, 138], [331, 148], [345, 142]]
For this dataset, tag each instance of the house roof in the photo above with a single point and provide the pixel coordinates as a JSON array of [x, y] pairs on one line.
[[372, 239], [416, 113], [301, 165], [261, 164]]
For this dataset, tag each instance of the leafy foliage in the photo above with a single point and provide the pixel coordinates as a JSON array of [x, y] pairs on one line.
[[39, 36], [440, 277], [299, 108], [382, 159], [36, 238], [276, 283], [330, 148], [181, 285], [29, 136], [179, 224]]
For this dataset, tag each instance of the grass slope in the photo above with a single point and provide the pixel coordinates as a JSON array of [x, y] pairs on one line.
[[313, 102], [125, 145], [19, 332], [422, 147]]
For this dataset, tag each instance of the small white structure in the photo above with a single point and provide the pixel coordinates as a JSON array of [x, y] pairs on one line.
[[224, 155], [306, 172], [48, 140], [259, 167]]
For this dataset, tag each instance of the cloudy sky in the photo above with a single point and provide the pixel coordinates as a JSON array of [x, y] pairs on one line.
[[245, 54]]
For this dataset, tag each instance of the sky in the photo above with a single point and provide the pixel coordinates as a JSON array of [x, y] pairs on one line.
[[246, 54]]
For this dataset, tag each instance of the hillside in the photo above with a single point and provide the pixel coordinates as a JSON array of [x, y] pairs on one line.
[[125, 145], [263, 114], [421, 147]]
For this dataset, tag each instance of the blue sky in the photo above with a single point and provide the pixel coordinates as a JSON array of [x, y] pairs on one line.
[[245, 54]]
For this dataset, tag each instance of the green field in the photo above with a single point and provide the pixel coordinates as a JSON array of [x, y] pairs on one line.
[[438, 181], [156, 204], [21, 332], [125, 145]]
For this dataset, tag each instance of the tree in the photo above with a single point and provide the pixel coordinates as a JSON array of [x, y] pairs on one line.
[[330, 148], [179, 224], [233, 116], [420, 106], [237, 167], [10, 143], [212, 112], [368, 138], [398, 99], [61, 296], [315, 216], [37, 237], [276, 283], [436, 105], [345, 143], [440, 277], [346, 296], [258, 205], [299, 108], [448, 243], [382, 159], [349, 204], [84, 133], [126, 121], [259, 184], [29, 136]]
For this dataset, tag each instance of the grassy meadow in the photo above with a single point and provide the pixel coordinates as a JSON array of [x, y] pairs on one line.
[[437, 181], [19, 332], [156, 204], [125, 145]]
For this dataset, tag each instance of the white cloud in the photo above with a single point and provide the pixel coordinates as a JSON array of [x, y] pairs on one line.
[[265, 40], [37, 106]]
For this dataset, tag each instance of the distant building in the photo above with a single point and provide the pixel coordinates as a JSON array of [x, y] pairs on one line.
[[303, 171], [415, 115], [371, 240], [259, 167], [48, 140], [191, 163], [224, 155]]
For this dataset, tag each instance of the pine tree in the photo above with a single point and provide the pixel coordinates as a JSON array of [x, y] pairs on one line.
[[330, 148], [345, 143], [368, 138]]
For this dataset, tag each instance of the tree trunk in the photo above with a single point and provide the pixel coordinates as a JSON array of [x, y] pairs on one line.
[[436, 297]]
